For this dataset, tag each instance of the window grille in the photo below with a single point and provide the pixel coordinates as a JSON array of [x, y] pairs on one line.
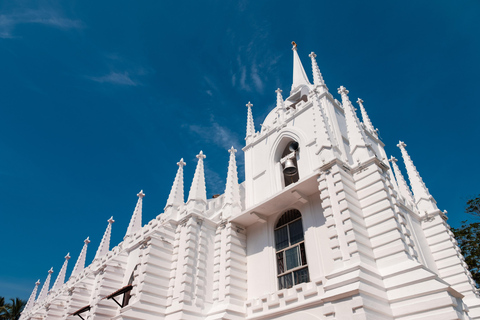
[[291, 258]]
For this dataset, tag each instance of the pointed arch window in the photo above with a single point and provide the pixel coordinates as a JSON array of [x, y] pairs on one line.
[[291, 257]]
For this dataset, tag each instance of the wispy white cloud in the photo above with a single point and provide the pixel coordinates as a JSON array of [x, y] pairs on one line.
[[48, 17], [217, 134], [257, 81], [116, 78]]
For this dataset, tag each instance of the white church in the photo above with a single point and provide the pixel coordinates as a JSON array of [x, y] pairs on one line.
[[325, 226]]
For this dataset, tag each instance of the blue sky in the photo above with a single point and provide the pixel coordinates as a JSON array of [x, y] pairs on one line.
[[101, 99]]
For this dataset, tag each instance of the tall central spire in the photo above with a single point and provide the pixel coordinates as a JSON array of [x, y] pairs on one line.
[[299, 75]]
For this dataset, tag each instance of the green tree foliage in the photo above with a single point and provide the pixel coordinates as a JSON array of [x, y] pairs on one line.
[[12, 310], [473, 206], [468, 238]]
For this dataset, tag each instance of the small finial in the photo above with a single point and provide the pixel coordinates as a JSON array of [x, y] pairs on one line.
[[181, 163], [201, 155], [87, 241], [392, 159], [312, 55], [67, 257], [141, 194], [38, 282], [359, 101], [401, 144], [232, 150], [249, 105], [278, 90], [342, 90], [111, 220], [51, 270], [294, 45]]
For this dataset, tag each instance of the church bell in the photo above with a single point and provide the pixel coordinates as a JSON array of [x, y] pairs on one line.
[[289, 169]]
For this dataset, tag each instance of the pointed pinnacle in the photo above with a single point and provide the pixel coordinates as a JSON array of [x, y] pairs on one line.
[[141, 194], [181, 163]]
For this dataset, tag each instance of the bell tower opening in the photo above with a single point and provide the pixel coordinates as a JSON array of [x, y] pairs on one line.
[[289, 162]]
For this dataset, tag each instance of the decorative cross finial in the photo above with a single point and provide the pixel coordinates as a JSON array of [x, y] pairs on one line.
[[294, 45], [181, 163], [87, 241], [312, 55], [342, 90], [278, 90], [201, 155], [67, 257], [401, 144], [141, 194], [232, 150], [392, 159], [38, 282], [51, 270], [249, 105], [111, 220], [359, 101]]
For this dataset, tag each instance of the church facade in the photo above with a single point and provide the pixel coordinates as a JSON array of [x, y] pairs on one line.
[[325, 226]]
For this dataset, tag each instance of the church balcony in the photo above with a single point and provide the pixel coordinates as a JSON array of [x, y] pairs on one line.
[[298, 191]]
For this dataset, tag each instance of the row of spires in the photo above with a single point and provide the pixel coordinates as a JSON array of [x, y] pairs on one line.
[[175, 201]]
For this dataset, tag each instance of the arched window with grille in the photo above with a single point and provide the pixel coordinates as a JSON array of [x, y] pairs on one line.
[[291, 258]]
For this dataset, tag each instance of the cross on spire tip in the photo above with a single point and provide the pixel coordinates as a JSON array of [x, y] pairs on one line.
[[401, 144], [141, 194], [342, 90]]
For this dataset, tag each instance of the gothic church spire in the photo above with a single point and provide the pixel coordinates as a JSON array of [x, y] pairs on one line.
[[250, 125], [402, 184], [46, 286], [80, 264], [136, 220], [31, 300], [356, 138], [197, 198], [423, 199], [317, 76], [231, 204], [176, 197], [104, 246], [366, 119], [61, 275], [299, 75]]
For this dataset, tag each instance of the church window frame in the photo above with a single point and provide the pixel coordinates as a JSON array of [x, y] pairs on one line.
[[290, 253]]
